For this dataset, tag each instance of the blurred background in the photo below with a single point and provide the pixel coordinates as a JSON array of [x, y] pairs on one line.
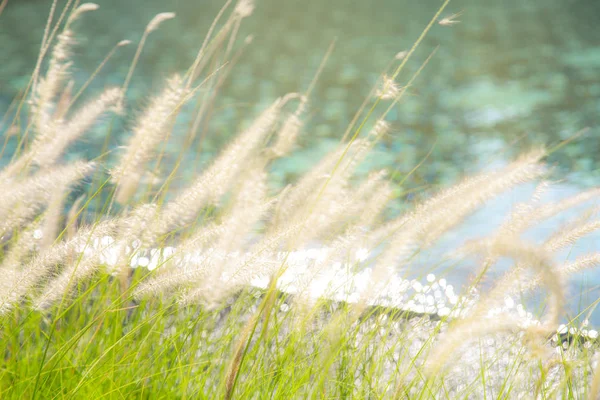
[[511, 75]]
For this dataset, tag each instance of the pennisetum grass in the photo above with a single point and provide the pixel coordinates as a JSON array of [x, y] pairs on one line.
[[218, 291]]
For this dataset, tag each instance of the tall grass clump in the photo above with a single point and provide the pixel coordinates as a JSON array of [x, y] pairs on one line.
[[229, 288]]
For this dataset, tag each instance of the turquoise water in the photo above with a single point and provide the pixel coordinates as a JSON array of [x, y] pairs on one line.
[[510, 75]]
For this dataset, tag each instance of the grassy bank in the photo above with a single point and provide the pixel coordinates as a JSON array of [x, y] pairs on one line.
[[77, 321]]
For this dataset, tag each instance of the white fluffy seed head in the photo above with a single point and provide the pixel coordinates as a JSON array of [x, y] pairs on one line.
[[159, 19], [389, 89], [401, 55], [244, 8], [85, 7], [381, 128]]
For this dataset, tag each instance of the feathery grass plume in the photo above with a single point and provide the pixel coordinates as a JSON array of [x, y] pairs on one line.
[[159, 19], [179, 271], [295, 196], [389, 89], [64, 101], [527, 215], [46, 39], [227, 269], [132, 235], [13, 287], [274, 240], [587, 261], [450, 19], [74, 211], [522, 216], [59, 286], [263, 258], [209, 187], [325, 211], [79, 257], [337, 213], [244, 8], [366, 210], [430, 220], [477, 324], [289, 131], [211, 252], [45, 153], [134, 226], [522, 285], [248, 208], [388, 230], [470, 185], [21, 248], [42, 103], [186, 263], [26, 197], [33, 273], [51, 218], [564, 236], [531, 214], [363, 205], [149, 131], [204, 235], [540, 261], [320, 198], [371, 197], [568, 237], [42, 106], [435, 219], [347, 166]]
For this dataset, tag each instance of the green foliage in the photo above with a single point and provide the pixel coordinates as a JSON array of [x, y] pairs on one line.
[[78, 320]]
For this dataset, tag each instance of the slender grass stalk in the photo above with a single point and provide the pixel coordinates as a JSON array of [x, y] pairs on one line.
[[222, 292]]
